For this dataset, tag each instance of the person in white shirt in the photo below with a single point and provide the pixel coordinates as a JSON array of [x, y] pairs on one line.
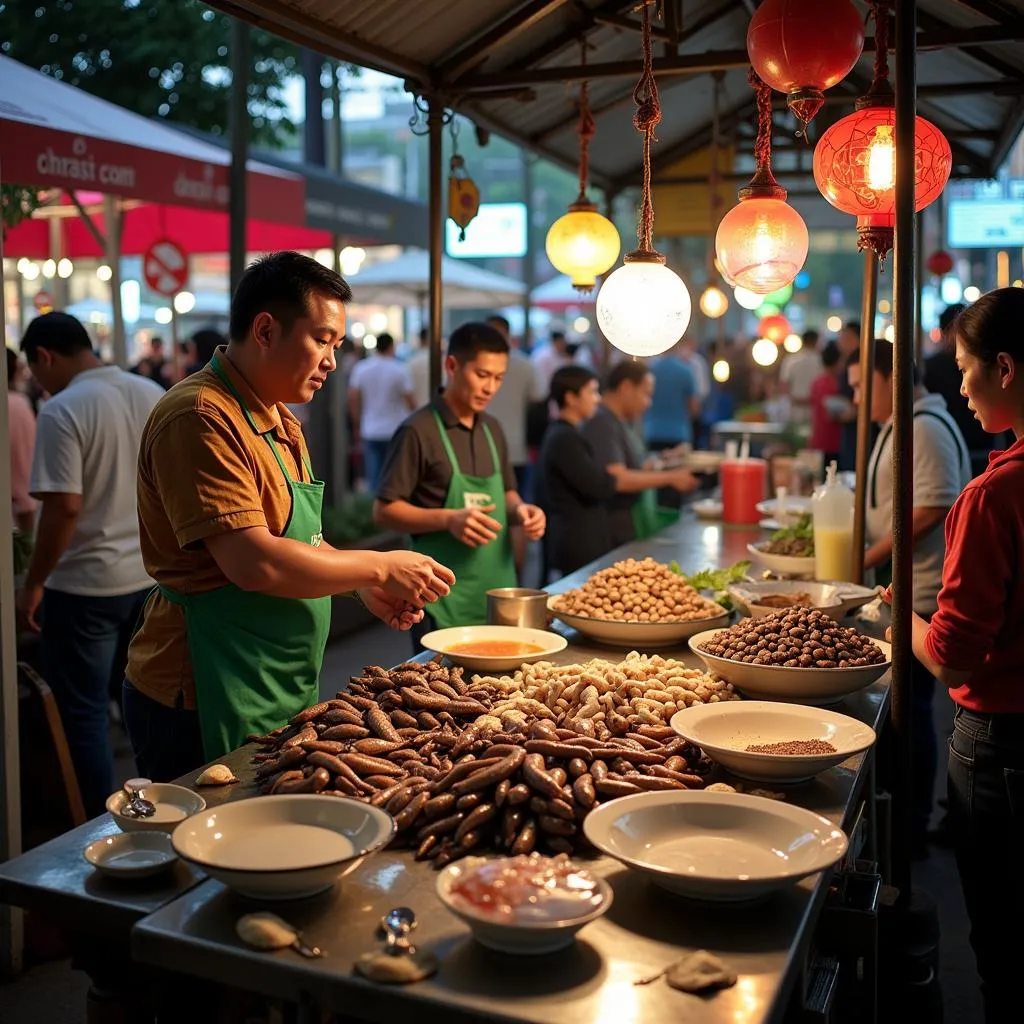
[[380, 396], [692, 356], [796, 375], [550, 357], [86, 584], [418, 365]]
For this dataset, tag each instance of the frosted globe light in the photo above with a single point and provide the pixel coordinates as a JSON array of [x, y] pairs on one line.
[[643, 308], [581, 325], [21, 265], [325, 257], [834, 323], [184, 302], [65, 268], [370, 342], [720, 371], [793, 343], [163, 315], [582, 244], [351, 259], [50, 268], [883, 306], [890, 333], [713, 302], [31, 272], [357, 330], [765, 352], [379, 322], [972, 293], [746, 298], [762, 243], [103, 272]]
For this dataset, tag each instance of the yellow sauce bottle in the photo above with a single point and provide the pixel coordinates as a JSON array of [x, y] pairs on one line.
[[832, 512]]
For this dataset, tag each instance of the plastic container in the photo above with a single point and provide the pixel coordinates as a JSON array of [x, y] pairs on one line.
[[832, 511], [744, 483]]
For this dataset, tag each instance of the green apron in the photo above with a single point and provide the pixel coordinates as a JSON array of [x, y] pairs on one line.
[[648, 516], [256, 659], [479, 569]]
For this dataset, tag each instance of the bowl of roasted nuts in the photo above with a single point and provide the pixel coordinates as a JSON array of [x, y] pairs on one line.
[[768, 741], [637, 602], [795, 654]]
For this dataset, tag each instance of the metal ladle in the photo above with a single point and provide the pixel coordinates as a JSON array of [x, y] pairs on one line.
[[136, 805], [397, 925]]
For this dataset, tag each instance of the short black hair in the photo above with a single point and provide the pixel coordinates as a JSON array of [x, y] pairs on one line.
[[811, 338], [206, 341], [949, 315], [156, 341], [628, 369], [385, 342], [884, 356], [467, 341], [281, 284], [852, 325], [497, 320], [558, 335], [830, 355], [56, 332], [992, 324], [569, 380]]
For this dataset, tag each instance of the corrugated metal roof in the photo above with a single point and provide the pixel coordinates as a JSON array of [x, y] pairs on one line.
[[504, 62]]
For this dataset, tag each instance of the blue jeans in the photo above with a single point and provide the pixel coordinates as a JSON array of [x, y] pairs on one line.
[[986, 817], [84, 645], [373, 462], [166, 741]]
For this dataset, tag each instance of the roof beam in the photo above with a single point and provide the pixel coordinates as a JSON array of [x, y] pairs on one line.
[[1010, 133], [632, 25], [987, 9], [933, 24]]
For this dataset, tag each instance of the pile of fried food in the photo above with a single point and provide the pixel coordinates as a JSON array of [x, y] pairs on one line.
[[509, 763], [637, 591]]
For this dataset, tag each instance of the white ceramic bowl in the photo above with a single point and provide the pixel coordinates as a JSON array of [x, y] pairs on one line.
[[715, 846], [283, 847], [707, 508], [173, 805], [441, 641], [793, 509], [517, 938], [131, 854], [783, 565], [799, 685], [837, 598], [634, 634], [724, 731]]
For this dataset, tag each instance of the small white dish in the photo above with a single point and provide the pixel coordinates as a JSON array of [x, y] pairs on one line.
[[792, 509], [131, 854], [619, 633], [798, 685], [747, 597], [283, 847], [728, 847], [703, 461], [783, 565], [519, 938], [707, 508], [447, 642], [770, 524], [173, 805], [724, 731]]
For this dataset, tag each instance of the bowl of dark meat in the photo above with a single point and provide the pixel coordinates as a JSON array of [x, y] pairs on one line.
[[789, 551]]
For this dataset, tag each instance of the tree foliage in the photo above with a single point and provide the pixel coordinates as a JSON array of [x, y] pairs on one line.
[[160, 58]]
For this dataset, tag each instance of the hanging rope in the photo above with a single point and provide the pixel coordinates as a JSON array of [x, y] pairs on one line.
[[645, 120], [586, 129], [763, 142], [880, 12], [715, 178]]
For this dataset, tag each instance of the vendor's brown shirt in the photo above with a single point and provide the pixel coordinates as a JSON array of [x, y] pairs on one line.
[[203, 470]]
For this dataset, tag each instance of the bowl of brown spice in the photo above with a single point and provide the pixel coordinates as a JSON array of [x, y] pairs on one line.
[[771, 742]]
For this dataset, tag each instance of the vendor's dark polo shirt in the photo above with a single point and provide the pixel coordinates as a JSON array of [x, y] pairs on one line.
[[417, 469]]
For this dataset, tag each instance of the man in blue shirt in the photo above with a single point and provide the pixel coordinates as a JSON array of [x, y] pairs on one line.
[[669, 420]]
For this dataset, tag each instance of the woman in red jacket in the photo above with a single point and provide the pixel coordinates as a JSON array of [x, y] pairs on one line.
[[974, 644]]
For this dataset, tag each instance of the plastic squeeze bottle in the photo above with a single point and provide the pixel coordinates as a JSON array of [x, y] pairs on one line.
[[832, 512]]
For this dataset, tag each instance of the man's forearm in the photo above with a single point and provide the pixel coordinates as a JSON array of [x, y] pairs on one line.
[[630, 481], [923, 521], [404, 517], [280, 567], [512, 503], [53, 535]]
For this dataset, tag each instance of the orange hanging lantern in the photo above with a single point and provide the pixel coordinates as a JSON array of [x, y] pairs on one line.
[[775, 328], [940, 263], [463, 195]]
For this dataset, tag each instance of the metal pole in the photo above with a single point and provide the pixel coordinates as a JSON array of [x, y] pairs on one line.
[[903, 440], [867, 370], [435, 214], [919, 274], [313, 134], [528, 255], [239, 122], [112, 222]]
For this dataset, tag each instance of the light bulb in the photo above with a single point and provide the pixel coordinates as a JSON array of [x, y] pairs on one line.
[[834, 323], [713, 302], [50, 268], [31, 271], [765, 352], [103, 272], [21, 265], [324, 257], [582, 244], [890, 333], [746, 298], [370, 342], [762, 243], [351, 259], [184, 302], [793, 343], [163, 315], [643, 308], [65, 268], [720, 371], [581, 325], [379, 323], [884, 306], [881, 160], [357, 330], [972, 293]]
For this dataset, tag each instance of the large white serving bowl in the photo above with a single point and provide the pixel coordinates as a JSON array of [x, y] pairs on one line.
[[793, 509], [283, 847], [724, 731], [799, 685], [837, 598], [173, 805], [783, 565], [618, 633], [441, 641], [518, 938], [715, 846]]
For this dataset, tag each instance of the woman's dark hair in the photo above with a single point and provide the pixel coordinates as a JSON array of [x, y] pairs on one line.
[[629, 369], [993, 324], [830, 355], [57, 332], [206, 341], [467, 341], [281, 284], [569, 380]]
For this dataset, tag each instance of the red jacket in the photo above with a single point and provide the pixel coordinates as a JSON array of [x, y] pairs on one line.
[[979, 625]]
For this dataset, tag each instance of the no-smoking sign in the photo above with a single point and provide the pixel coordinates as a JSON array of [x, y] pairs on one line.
[[165, 267]]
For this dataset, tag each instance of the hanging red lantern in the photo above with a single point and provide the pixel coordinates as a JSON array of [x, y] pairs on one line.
[[940, 263], [855, 159], [800, 49], [775, 328]]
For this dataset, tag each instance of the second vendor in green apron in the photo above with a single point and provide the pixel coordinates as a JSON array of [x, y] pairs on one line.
[[447, 481]]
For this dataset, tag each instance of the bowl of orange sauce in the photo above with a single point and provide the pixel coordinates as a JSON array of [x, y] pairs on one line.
[[493, 648]]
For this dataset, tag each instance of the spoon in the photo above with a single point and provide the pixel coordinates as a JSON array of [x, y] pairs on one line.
[[268, 931], [136, 805], [397, 924]]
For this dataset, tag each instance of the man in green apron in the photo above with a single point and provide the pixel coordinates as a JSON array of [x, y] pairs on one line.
[[232, 639], [447, 481]]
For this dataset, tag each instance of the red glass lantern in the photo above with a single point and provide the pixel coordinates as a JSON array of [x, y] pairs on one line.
[[800, 48], [775, 328], [939, 263]]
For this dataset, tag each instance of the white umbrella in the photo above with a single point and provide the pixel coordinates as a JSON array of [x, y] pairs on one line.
[[405, 281], [558, 293]]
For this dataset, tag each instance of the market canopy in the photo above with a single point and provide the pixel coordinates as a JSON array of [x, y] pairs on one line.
[[506, 64]]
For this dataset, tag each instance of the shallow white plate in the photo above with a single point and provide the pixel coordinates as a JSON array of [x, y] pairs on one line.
[[632, 634], [837, 598], [799, 685], [173, 805], [131, 854], [518, 938], [441, 641], [715, 846], [783, 565], [770, 524], [283, 847], [707, 508], [793, 509], [724, 731]]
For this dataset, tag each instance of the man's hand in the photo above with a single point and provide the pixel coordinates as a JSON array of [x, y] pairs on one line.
[[473, 526], [683, 480], [27, 605], [414, 578], [533, 521], [398, 614]]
